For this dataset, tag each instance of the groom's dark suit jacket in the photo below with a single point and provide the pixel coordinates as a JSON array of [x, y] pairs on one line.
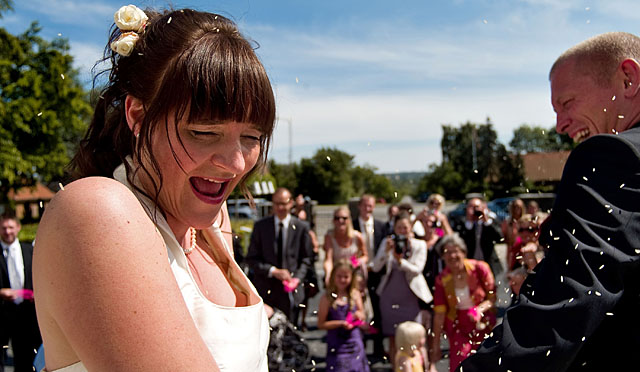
[[581, 310], [262, 256]]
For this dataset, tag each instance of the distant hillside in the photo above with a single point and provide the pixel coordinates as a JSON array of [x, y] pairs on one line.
[[409, 177]]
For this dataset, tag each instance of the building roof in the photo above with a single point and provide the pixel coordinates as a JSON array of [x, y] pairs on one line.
[[31, 193], [544, 166]]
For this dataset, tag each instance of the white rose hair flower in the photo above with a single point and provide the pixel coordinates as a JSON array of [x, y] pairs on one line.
[[125, 43], [130, 18], [131, 21]]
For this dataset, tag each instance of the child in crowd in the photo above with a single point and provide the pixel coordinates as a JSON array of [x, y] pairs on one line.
[[411, 353], [341, 312]]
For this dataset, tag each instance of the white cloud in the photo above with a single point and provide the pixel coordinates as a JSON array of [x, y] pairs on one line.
[[368, 125], [72, 11]]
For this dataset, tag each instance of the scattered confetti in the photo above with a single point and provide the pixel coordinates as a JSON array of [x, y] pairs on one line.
[[40, 113], [395, 194], [601, 267], [61, 187], [561, 279], [620, 116], [622, 185], [62, 76], [613, 98], [598, 294], [59, 33], [297, 80], [567, 263], [485, 21], [583, 338], [475, 171], [571, 300], [585, 178], [328, 158], [605, 110], [609, 314], [169, 20], [548, 352], [40, 203]]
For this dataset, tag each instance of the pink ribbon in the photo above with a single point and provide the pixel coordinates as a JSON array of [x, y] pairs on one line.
[[350, 319], [354, 261], [475, 314], [27, 294], [290, 285]]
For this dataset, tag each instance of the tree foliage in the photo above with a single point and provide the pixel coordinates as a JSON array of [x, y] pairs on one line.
[[527, 138], [330, 177], [472, 161], [43, 109]]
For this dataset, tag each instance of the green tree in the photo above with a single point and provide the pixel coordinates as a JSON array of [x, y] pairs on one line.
[[285, 175], [472, 161], [43, 109], [5, 5], [527, 138], [365, 180], [326, 177]]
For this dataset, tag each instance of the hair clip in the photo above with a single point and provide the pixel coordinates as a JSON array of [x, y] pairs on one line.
[[131, 21]]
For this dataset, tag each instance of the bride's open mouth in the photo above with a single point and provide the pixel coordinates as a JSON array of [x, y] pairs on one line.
[[209, 190]]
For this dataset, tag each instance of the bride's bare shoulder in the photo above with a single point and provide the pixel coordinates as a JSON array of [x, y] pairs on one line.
[[90, 205]]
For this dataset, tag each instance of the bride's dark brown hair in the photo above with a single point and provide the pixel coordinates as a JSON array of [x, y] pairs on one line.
[[193, 64]]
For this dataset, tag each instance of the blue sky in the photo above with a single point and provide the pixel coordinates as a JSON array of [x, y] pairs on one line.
[[377, 79]]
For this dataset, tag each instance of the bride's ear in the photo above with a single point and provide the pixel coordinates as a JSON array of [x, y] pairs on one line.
[[134, 111]]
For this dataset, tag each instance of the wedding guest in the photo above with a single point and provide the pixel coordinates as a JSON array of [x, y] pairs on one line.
[[510, 225], [373, 231], [403, 286], [341, 312], [464, 302], [526, 251], [133, 268], [18, 322], [311, 279], [434, 205], [343, 242], [480, 233], [392, 212], [410, 341]]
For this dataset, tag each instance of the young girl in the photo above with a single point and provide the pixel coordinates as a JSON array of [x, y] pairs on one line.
[[340, 313], [411, 338]]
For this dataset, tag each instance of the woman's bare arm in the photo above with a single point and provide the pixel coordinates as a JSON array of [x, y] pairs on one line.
[[104, 287]]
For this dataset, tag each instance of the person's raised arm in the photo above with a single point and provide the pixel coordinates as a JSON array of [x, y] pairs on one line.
[[362, 250], [328, 258], [106, 294]]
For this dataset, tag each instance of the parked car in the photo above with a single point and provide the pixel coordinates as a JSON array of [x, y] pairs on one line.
[[241, 209]]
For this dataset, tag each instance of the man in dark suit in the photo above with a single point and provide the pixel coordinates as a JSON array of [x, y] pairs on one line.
[[580, 310], [280, 254], [18, 321], [480, 233], [373, 231]]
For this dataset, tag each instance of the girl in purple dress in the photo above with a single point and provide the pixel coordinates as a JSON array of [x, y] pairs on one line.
[[341, 312]]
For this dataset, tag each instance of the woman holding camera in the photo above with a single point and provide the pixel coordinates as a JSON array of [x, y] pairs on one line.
[[403, 286]]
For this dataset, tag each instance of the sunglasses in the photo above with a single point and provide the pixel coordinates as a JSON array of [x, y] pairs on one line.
[[340, 218]]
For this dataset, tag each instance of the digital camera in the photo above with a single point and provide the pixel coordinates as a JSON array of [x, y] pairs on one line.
[[400, 242]]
